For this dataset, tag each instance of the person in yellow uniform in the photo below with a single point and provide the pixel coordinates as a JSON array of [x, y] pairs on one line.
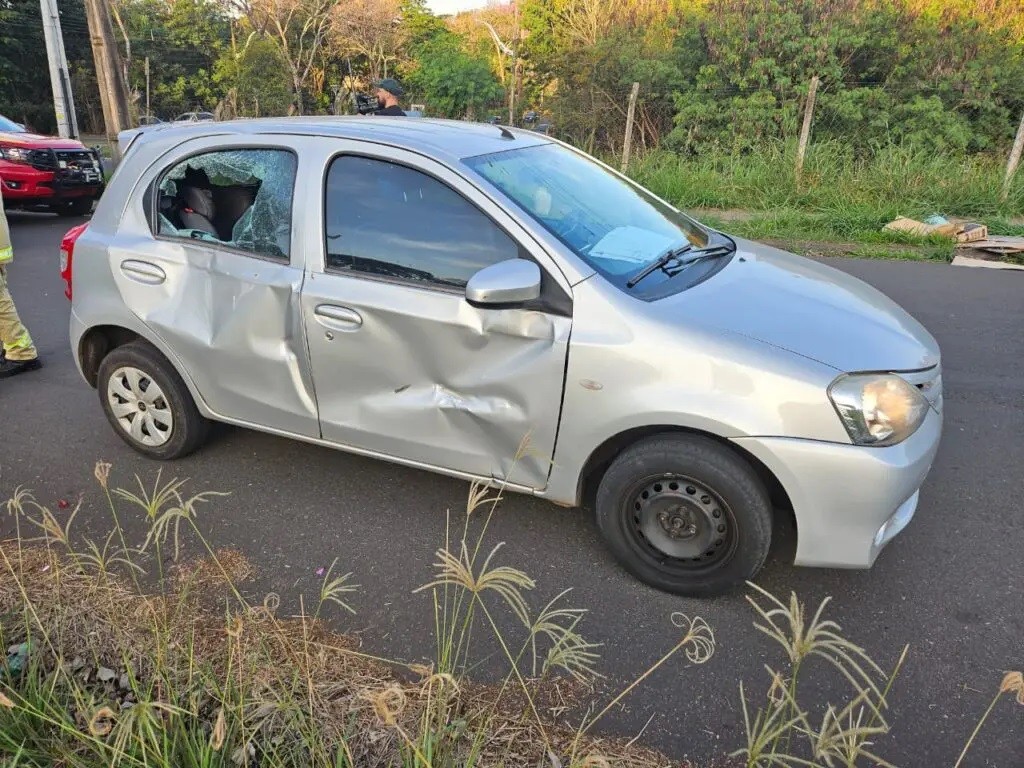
[[19, 353]]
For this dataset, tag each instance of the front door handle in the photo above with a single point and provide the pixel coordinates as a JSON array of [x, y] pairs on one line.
[[338, 318], [143, 272]]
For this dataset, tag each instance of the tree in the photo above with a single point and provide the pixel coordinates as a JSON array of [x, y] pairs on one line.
[[454, 83], [299, 28], [371, 29], [182, 41], [254, 79]]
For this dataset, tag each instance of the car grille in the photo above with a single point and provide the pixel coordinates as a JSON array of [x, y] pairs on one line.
[[52, 160]]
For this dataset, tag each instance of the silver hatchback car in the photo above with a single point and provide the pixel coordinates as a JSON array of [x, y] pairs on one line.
[[490, 303]]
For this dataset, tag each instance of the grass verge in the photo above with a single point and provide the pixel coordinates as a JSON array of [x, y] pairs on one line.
[[187, 672], [842, 198]]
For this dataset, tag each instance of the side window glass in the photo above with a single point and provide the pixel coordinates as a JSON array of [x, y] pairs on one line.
[[389, 220], [241, 198]]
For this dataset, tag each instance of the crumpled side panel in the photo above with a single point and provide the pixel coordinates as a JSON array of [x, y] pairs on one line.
[[430, 378], [235, 324]]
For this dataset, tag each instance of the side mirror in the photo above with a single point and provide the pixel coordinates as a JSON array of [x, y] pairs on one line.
[[507, 283]]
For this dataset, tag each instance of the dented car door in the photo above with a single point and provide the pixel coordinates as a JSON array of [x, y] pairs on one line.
[[218, 281], [403, 366]]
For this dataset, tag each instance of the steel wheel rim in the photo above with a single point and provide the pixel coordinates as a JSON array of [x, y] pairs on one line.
[[139, 406], [680, 523]]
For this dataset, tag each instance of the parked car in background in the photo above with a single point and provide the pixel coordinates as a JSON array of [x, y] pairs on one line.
[[439, 293], [47, 172], [537, 123], [150, 120], [195, 117]]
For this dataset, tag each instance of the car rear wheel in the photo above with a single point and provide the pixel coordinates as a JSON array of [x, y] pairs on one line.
[[685, 514], [148, 404], [78, 207]]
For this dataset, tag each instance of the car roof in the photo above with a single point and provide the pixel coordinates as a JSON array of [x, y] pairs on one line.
[[452, 139]]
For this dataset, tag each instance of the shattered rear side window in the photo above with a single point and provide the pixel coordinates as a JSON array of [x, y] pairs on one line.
[[252, 199]]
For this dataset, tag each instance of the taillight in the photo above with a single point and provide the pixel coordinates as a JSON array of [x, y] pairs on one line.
[[67, 255]]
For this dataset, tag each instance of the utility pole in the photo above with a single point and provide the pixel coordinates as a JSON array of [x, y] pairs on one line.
[[108, 70], [63, 103], [147, 82]]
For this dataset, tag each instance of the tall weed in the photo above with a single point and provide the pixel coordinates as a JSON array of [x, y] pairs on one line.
[[106, 673]]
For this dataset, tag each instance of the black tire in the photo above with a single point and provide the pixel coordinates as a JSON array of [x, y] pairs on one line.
[[699, 495], [81, 206], [188, 429]]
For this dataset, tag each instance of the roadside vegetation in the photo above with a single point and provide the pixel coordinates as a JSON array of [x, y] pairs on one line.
[[842, 198], [136, 655], [917, 102]]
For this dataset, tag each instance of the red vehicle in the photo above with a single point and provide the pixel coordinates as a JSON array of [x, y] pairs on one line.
[[47, 172]]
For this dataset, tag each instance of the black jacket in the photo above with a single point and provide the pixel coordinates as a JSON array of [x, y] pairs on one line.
[[393, 110]]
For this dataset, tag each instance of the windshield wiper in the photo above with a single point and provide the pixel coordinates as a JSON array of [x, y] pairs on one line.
[[658, 263], [673, 255], [700, 255]]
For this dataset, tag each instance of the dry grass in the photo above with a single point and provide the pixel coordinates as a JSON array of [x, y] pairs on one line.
[[190, 674]]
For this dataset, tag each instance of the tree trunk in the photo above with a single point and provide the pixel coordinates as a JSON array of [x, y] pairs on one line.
[[298, 94]]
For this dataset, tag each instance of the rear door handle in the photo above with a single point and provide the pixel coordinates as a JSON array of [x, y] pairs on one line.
[[338, 318], [143, 272]]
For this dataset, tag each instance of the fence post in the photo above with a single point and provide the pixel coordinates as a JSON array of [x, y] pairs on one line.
[[1011, 164], [627, 142], [805, 131]]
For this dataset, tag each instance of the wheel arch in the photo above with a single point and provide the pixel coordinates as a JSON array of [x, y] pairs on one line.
[[100, 340], [602, 456]]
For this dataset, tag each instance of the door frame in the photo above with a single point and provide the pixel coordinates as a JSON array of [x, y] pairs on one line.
[[315, 203]]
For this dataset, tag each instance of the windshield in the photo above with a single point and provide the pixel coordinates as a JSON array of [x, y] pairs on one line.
[[613, 226], [9, 126]]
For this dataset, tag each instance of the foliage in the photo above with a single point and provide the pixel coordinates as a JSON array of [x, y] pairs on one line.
[[452, 82], [299, 29], [843, 196], [191, 673], [734, 73], [103, 672], [944, 81], [25, 91], [254, 79], [182, 41], [715, 75]]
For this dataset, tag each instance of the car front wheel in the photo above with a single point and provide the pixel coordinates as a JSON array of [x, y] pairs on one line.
[[148, 404], [685, 514]]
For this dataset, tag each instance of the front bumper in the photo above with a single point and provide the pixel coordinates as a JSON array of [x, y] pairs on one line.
[[21, 183], [849, 501]]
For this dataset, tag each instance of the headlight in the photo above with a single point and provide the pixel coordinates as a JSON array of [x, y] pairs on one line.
[[14, 154], [878, 409]]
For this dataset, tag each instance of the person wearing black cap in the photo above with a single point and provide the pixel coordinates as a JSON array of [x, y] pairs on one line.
[[388, 91]]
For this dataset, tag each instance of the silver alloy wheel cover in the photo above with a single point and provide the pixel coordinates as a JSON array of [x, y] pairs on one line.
[[139, 406]]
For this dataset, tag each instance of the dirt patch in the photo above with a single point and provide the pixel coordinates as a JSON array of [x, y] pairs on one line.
[[725, 214], [823, 249]]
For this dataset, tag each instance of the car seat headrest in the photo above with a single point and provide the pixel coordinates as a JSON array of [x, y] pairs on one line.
[[199, 200]]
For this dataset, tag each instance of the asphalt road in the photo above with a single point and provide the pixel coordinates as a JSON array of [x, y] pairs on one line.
[[952, 586]]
